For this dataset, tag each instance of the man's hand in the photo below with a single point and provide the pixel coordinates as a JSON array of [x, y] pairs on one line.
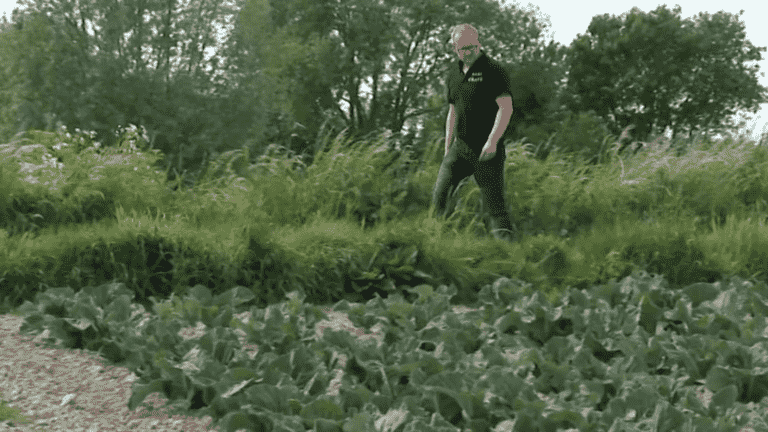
[[488, 152]]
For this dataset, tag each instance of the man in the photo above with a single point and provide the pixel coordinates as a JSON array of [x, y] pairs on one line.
[[480, 106]]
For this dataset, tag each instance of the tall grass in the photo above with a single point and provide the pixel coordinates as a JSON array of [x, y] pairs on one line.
[[692, 216]]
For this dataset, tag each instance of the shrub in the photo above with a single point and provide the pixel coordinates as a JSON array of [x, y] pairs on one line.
[[581, 134]]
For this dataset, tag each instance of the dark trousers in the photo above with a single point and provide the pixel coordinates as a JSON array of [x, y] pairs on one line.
[[460, 163]]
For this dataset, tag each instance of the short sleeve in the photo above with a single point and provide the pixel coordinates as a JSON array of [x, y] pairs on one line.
[[504, 82]]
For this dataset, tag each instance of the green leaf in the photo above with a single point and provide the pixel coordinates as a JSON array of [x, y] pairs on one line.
[[701, 292], [650, 314], [641, 398], [425, 292], [317, 382], [219, 343], [431, 365], [402, 369], [269, 398], [118, 311], [234, 297], [80, 324], [295, 405], [732, 302], [421, 316], [367, 373], [718, 378], [616, 409], [86, 309], [553, 374], [382, 402], [681, 312], [355, 397], [236, 420], [200, 293], [479, 425], [724, 398], [140, 392], [436, 424], [527, 415], [566, 418], [448, 406], [361, 422], [666, 418], [691, 401], [325, 425], [322, 408], [507, 323]]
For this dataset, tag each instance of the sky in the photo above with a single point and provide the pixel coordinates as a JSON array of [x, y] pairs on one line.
[[569, 18]]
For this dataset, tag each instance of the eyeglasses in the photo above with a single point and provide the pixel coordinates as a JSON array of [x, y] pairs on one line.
[[469, 49]]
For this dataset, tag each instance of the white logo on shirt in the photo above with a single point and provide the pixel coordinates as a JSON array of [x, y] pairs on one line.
[[476, 77]]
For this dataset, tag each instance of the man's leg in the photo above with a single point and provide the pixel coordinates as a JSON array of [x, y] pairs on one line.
[[489, 176], [455, 168]]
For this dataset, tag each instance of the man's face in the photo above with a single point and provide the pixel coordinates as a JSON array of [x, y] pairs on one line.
[[468, 49]]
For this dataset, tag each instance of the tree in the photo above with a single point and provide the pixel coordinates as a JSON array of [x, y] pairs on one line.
[[655, 70], [301, 61], [399, 50], [41, 68], [100, 64], [9, 96], [283, 47]]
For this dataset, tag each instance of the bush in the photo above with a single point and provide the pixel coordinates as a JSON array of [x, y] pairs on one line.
[[582, 135], [577, 134]]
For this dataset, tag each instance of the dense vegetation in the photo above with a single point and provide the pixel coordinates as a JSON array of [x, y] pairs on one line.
[[288, 71], [637, 281], [635, 284]]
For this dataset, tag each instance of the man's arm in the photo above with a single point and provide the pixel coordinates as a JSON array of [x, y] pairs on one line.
[[450, 124], [503, 115]]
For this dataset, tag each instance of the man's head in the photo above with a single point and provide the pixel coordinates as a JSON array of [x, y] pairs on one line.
[[466, 43]]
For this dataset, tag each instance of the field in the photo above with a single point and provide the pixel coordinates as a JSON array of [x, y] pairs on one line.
[[635, 285]]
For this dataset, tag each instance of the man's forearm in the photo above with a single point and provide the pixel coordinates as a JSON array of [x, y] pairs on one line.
[[450, 124], [500, 125]]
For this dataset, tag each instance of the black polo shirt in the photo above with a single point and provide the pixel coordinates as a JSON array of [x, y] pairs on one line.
[[474, 96]]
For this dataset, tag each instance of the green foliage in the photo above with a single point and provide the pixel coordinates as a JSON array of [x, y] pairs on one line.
[[270, 81], [582, 135], [66, 83], [537, 93], [568, 329], [629, 353], [655, 70], [294, 48], [10, 415], [750, 176]]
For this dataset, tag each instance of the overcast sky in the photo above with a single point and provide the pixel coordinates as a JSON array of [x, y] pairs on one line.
[[569, 18]]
